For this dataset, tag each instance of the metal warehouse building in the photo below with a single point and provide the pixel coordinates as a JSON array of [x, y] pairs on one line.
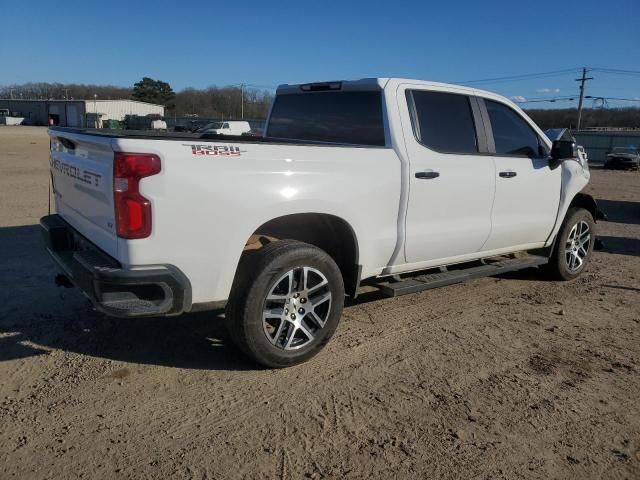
[[77, 113], [598, 143]]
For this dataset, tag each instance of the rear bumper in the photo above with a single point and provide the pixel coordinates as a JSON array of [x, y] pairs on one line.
[[158, 290]]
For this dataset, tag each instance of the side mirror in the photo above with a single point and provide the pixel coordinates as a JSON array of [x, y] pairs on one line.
[[562, 149]]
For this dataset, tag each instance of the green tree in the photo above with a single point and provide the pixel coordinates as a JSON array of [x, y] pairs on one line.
[[154, 91]]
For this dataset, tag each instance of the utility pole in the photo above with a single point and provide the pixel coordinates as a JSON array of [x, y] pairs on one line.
[[242, 101], [583, 79], [95, 108]]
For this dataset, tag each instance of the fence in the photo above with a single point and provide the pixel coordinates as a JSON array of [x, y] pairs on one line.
[[599, 144]]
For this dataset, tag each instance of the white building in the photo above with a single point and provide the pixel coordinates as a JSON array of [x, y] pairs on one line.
[[77, 113]]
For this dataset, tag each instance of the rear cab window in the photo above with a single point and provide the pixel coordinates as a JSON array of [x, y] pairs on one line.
[[336, 117], [443, 121]]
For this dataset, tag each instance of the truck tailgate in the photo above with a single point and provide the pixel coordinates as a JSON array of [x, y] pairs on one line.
[[82, 174]]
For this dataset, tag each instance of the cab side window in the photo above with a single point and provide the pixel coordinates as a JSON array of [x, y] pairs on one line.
[[443, 121], [511, 133], [226, 125]]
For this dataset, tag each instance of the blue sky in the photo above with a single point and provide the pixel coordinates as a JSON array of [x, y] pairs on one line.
[[202, 43]]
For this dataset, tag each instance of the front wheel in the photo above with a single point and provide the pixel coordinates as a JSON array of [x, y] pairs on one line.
[[285, 304], [574, 245]]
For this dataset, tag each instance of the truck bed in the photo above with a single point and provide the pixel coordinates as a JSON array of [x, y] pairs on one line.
[[158, 135], [161, 135]]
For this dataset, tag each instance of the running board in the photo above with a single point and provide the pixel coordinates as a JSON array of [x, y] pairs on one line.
[[449, 277]]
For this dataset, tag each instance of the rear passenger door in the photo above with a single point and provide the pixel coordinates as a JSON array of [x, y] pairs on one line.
[[527, 188], [452, 179]]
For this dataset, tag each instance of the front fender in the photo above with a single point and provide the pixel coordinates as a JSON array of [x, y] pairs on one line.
[[574, 179]]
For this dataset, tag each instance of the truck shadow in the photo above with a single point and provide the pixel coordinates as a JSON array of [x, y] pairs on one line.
[[36, 317], [621, 211], [621, 245]]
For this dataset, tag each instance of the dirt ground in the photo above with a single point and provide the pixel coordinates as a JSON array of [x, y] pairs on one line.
[[509, 377]]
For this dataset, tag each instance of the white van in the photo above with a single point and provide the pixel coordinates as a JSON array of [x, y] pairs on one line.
[[230, 127]]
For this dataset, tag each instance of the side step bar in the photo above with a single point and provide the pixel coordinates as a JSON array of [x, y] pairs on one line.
[[448, 277]]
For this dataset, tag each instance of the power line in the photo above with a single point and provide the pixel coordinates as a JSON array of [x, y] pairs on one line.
[[550, 99], [541, 75], [261, 86], [616, 71], [514, 78], [571, 99], [596, 97], [268, 87]]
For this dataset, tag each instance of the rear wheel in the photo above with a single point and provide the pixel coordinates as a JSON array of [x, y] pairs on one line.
[[574, 245], [285, 304]]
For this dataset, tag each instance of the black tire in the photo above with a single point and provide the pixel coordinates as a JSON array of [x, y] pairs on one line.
[[261, 271], [558, 267]]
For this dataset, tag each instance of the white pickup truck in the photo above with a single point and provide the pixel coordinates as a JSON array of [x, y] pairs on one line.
[[401, 184]]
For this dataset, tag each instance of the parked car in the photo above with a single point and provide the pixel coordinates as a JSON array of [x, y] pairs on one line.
[[231, 127], [144, 122], [623, 157], [402, 184], [255, 132], [195, 125]]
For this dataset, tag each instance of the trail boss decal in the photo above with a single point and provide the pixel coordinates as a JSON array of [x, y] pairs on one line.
[[216, 150]]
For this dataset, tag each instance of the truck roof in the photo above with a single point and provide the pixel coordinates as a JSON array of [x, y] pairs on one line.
[[373, 83], [367, 84]]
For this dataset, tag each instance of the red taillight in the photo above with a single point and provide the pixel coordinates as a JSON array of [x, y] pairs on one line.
[[133, 211]]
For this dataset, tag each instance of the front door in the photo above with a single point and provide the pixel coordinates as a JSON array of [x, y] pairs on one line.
[[527, 188], [451, 186]]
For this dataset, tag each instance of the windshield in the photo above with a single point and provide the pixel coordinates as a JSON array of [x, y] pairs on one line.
[[624, 150]]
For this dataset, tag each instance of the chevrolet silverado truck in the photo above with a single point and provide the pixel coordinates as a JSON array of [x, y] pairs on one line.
[[400, 184]]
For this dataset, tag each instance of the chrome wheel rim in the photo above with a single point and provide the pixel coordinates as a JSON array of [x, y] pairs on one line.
[[577, 246], [297, 308]]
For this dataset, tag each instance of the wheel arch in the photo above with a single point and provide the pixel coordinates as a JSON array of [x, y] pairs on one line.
[[579, 200], [586, 201], [328, 232]]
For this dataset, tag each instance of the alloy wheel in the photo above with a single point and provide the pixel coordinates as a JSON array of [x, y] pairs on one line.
[[577, 246], [297, 308]]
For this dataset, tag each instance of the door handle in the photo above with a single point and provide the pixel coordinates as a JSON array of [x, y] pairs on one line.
[[427, 174], [508, 174]]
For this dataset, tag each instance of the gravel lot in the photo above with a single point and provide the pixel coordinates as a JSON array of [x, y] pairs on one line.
[[508, 377]]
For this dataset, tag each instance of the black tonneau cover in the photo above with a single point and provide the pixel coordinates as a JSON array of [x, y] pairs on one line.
[[159, 135]]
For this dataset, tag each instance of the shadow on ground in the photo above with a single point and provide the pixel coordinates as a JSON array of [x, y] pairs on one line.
[[621, 211], [36, 316], [621, 245]]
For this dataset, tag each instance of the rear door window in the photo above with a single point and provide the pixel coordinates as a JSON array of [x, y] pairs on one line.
[[344, 117], [443, 121], [511, 133]]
